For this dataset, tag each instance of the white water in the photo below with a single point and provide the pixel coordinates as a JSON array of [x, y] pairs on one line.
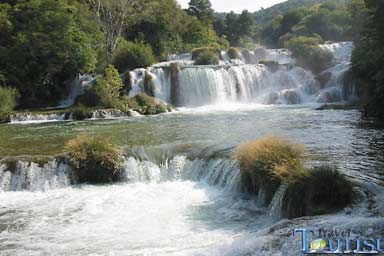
[[230, 82], [163, 210], [334, 89], [37, 118]]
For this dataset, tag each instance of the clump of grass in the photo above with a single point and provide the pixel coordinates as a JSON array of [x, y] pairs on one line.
[[233, 53], [323, 190], [95, 159], [144, 104], [266, 163], [81, 112], [207, 58]]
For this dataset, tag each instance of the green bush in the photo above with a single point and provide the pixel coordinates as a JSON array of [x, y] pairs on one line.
[[144, 104], [198, 51], [81, 112], [266, 163], [322, 190], [308, 53], [95, 159], [8, 101], [233, 53], [207, 58], [129, 56], [107, 88]]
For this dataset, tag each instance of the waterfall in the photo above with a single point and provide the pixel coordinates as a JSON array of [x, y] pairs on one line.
[[23, 175], [277, 81], [26, 175], [274, 209], [77, 87], [38, 117], [334, 88]]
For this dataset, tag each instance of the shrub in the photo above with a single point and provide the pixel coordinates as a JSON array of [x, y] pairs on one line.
[[214, 50], [207, 58], [94, 159], [8, 99], [144, 104], [130, 55], [108, 87], [81, 112], [266, 163], [233, 53], [323, 190], [308, 53]]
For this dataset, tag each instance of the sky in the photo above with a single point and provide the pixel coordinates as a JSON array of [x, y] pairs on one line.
[[237, 5]]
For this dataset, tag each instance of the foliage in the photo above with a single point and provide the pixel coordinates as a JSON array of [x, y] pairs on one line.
[[144, 104], [368, 59], [323, 190], [8, 99], [129, 56], [45, 43], [308, 53], [267, 162], [169, 29], [202, 9], [206, 58], [94, 158], [81, 112], [108, 87], [233, 53]]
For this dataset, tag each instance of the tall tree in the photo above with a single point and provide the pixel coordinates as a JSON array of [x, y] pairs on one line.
[[368, 59], [202, 9], [113, 16]]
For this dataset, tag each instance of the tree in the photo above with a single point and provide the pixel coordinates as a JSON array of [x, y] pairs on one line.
[[368, 59], [8, 100], [246, 24], [113, 16], [108, 87], [202, 9], [48, 43]]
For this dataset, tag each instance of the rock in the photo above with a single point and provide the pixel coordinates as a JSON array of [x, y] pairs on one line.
[[330, 95]]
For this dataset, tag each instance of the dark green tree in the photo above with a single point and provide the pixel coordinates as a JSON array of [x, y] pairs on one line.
[[368, 59], [202, 9]]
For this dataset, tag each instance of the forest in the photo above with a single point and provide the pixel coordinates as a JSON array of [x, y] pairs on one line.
[[44, 44]]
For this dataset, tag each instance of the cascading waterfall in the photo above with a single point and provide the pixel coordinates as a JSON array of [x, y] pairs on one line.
[[30, 176], [181, 83], [335, 87]]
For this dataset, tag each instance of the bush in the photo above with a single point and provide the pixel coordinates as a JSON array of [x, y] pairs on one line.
[[8, 100], [94, 159], [308, 53], [198, 51], [207, 58], [323, 190], [81, 113], [144, 104], [233, 53], [266, 163], [129, 56], [107, 88]]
